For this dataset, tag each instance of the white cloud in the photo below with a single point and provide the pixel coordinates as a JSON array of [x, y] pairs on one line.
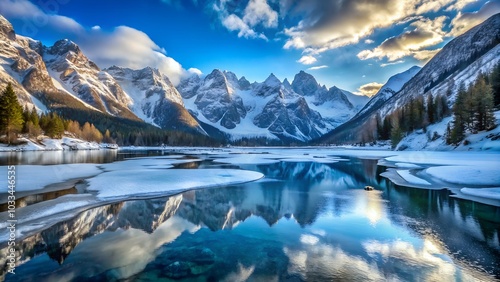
[[259, 12], [425, 33], [369, 89], [128, 47], [331, 24], [124, 46], [464, 21], [459, 5], [369, 41], [307, 60], [318, 67], [35, 19], [195, 71], [234, 23], [393, 63]]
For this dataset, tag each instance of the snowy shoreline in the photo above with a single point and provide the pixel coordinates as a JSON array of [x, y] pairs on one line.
[[63, 144], [150, 177]]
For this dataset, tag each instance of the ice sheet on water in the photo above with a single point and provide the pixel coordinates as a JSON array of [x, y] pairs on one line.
[[467, 175], [246, 159], [146, 162], [152, 182], [447, 158], [34, 177], [489, 193], [410, 178], [407, 165]]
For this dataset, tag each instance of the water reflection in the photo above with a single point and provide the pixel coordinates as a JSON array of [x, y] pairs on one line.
[[305, 221]]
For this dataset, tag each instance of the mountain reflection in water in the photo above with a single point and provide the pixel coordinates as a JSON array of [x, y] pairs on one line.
[[304, 221]]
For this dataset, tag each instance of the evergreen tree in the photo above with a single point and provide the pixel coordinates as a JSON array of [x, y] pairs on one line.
[[11, 114], [396, 133], [54, 127], [482, 94], [459, 119], [430, 109], [495, 85]]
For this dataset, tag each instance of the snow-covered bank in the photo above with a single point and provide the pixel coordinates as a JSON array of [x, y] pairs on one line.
[[108, 183], [160, 182], [452, 170], [48, 144], [434, 139], [35, 177]]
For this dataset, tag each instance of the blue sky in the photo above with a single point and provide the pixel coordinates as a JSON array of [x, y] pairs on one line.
[[356, 45]]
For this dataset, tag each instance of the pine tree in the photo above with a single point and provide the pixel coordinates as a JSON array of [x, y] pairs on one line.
[[482, 94], [430, 109], [55, 126], [396, 131], [495, 85], [11, 114]]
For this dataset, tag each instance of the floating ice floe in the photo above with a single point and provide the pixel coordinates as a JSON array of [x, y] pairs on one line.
[[160, 182], [410, 178], [407, 165], [146, 162], [489, 193], [246, 159], [34, 177], [467, 175]]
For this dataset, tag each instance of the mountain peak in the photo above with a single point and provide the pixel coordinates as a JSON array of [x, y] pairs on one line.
[[272, 80], [305, 84], [64, 46], [6, 28]]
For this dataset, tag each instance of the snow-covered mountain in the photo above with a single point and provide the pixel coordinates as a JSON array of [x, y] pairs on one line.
[[302, 111], [74, 73], [153, 98], [22, 65], [459, 61], [391, 87]]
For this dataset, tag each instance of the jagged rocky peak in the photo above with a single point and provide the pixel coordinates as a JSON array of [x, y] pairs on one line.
[[272, 80], [64, 46], [305, 84], [230, 76], [244, 83], [189, 85], [6, 29]]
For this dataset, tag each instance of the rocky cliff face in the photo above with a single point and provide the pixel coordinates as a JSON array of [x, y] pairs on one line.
[[153, 98], [459, 61], [83, 79], [271, 109]]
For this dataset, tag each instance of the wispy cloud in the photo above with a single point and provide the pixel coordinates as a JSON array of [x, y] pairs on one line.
[[307, 60], [369, 89], [123, 46], [318, 67], [393, 63], [464, 21], [425, 33]]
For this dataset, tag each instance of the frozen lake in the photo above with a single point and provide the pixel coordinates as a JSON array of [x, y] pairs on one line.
[[257, 215]]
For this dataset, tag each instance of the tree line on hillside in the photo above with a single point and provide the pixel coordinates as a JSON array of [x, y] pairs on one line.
[[472, 112], [87, 125]]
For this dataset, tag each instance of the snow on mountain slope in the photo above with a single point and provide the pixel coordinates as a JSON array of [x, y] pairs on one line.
[[333, 105], [358, 101], [153, 98], [391, 87], [83, 78], [270, 109], [461, 60], [22, 66]]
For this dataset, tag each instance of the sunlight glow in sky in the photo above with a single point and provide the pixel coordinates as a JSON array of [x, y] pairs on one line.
[[354, 44]]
